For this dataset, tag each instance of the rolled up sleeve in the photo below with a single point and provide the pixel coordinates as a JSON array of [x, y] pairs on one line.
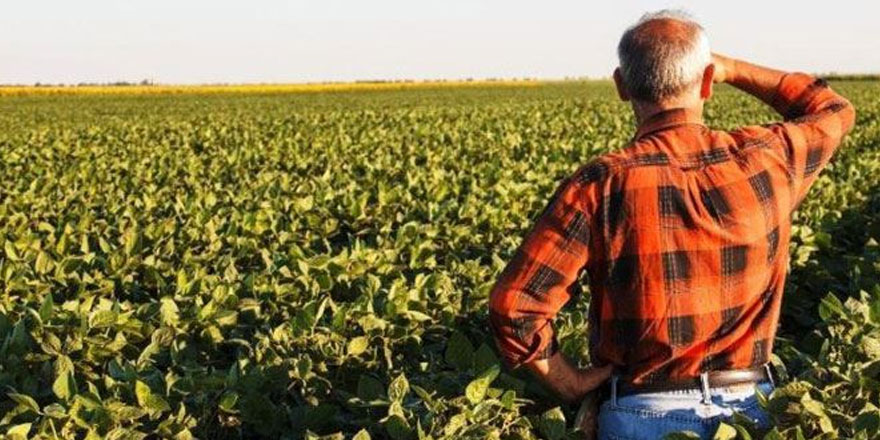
[[816, 120]]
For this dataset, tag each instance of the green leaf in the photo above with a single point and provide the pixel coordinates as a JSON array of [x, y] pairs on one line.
[[459, 352], [308, 316], [725, 432], [102, 318], [372, 322], [830, 307], [874, 308], [168, 312], [142, 392], [153, 403], [131, 240], [826, 425], [812, 406], [398, 388], [552, 424], [476, 390], [454, 425], [121, 412], [304, 203], [417, 316], [228, 401], [19, 432], [484, 358], [181, 282], [357, 345], [395, 408], [369, 389], [43, 263], [47, 307], [304, 367], [25, 401], [868, 421], [63, 386], [871, 347], [361, 435], [508, 399], [397, 428], [9, 249], [423, 394], [743, 432], [55, 411]]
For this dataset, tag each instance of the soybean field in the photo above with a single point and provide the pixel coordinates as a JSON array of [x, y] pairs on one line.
[[280, 264]]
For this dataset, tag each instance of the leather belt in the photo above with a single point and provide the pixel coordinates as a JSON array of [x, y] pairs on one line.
[[714, 379]]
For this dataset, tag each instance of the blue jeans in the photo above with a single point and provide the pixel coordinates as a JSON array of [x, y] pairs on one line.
[[653, 415]]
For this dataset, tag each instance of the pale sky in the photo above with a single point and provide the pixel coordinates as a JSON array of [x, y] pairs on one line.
[[209, 41]]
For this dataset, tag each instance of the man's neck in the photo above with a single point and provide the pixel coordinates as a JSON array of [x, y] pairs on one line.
[[645, 110]]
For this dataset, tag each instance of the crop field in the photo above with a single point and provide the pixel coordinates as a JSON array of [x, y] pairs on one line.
[[154, 89], [317, 265]]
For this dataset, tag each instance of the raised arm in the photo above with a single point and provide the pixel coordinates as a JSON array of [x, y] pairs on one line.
[[816, 118], [534, 286], [760, 82]]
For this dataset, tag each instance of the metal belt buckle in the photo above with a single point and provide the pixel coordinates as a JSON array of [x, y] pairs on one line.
[[704, 387]]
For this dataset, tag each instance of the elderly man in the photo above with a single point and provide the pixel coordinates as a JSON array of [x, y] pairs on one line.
[[684, 234]]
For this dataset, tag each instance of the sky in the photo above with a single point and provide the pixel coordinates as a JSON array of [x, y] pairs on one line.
[[260, 41]]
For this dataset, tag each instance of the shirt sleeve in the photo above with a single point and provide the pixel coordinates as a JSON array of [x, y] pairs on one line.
[[816, 119], [534, 285]]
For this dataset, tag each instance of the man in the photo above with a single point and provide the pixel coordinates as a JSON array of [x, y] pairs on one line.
[[684, 234]]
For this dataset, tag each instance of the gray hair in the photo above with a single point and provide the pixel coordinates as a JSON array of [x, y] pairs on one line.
[[660, 65]]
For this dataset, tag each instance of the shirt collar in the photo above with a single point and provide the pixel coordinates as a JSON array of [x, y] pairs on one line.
[[668, 119]]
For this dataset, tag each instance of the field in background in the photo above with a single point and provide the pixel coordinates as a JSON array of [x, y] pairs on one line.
[[289, 265], [133, 89], [159, 89]]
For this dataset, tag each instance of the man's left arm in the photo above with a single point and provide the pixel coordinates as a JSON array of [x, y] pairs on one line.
[[534, 286]]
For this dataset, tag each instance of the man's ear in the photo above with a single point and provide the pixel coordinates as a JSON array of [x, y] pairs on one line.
[[621, 89], [706, 84]]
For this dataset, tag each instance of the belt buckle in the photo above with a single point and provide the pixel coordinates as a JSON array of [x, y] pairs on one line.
[[705, 387]]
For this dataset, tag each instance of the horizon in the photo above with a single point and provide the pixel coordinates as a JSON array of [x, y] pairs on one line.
[[874, 75], [276, 42]]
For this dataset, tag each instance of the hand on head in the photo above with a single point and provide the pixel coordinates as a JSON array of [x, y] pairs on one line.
[[723, 68]]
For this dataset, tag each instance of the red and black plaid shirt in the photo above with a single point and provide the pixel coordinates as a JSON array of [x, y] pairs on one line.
[[684, 235]]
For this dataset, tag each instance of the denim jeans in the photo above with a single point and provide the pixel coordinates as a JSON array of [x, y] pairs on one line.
[[653, 415]]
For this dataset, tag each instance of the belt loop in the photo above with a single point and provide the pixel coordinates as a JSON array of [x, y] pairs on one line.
[[614, 389], [769, 369], [704, 387]]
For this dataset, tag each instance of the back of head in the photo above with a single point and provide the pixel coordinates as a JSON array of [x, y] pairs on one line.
[[662, 55]]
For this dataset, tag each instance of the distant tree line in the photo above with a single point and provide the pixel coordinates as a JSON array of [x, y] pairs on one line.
[[144, 82]]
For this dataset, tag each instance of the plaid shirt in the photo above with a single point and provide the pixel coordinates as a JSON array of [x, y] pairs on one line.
[[684, 235]]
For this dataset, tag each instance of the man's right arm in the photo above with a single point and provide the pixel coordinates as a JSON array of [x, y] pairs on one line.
[[816, 118], [760, 82]]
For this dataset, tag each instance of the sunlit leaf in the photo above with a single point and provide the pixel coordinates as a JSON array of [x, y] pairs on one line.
[[477, 388]]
